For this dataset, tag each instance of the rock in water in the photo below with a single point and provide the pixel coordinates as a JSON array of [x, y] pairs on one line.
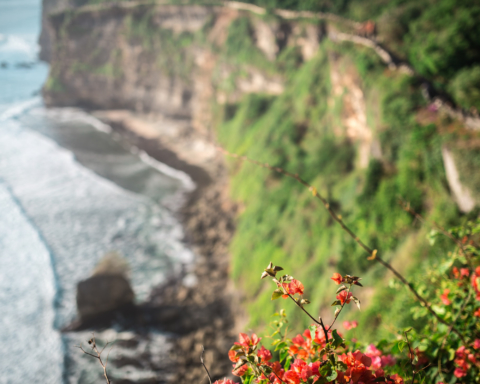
[[101, 294]]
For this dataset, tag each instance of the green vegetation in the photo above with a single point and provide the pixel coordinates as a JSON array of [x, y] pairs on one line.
[[169, 47], [53, 84], [282, 223]]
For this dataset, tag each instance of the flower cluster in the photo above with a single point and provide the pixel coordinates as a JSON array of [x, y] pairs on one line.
[[363, 368], [464, 358], [319, 354]]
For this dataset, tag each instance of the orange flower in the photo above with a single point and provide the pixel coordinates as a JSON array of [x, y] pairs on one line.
[[245, 341], [264, 354], [293, 287], [232, 355], [337, 278], [241, 370], [344, 297]]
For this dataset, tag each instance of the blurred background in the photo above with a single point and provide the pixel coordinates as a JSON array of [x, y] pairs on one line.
[[119, 215]]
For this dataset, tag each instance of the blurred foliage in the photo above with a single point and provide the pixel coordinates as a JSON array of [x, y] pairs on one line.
[[299, 132]]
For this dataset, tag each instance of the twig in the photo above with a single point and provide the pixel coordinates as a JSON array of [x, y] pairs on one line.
[[98, 355], [412, 357], [319, 322], [373, 254], [341, 308], [204, 366]]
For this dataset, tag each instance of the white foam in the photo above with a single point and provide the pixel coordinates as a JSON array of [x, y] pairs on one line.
[[27, 292], [18, 109], [65, 115], [17, 44], [167, 170]]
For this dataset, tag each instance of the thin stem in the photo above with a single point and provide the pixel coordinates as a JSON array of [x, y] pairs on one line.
[[98, 356], [264, 374], [341, 309], [303, 309], [373, 254], [204, 366], [412, 356]]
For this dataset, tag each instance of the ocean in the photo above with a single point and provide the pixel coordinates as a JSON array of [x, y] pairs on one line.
[[70, 192]]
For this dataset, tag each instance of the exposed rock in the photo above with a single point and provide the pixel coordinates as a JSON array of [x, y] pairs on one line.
[[346, 88], [101, 294], [47, 34], [461, 194]]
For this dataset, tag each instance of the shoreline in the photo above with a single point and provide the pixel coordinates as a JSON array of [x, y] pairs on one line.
[[207, 314]]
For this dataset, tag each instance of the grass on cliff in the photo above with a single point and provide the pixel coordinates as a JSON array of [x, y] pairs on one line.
[[282, 223]]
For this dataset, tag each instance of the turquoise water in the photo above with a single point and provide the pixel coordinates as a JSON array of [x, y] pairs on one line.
[[69, 194]]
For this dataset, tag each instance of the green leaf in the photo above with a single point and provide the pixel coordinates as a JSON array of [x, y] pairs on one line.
[[280, 346], [283, 355], [401, 345], [337, 340], [276, 294], [336, 302], [312, 329], [287, 363], [332, 376]]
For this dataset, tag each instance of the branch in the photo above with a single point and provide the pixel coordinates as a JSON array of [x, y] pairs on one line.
[[301, 307], [341, 309], [98, 355], [372, 253]]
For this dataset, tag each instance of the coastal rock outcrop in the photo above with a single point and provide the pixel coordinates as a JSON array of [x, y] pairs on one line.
[[102, 294]]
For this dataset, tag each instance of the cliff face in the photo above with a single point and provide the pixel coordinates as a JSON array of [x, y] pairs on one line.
[[162, 59], [47, 33]]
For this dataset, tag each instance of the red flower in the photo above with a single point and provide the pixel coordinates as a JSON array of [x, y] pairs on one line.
[[344, 297], [245, 341], [476, 344], [459, 372], [444, 297], [232, 355], [241, 370], [264, 354], [395, 379], [465, 272], [224, 381], [337, 278], [350, 325], [293, 287], [292, 377], [277, 373], [477, 313]]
